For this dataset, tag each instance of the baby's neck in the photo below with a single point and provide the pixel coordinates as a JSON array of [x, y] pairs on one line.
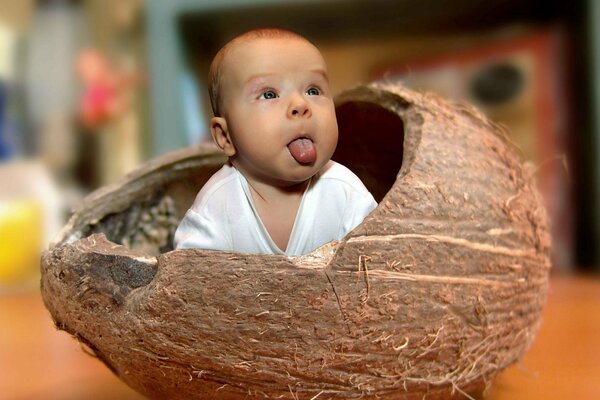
[[277, 208], [268, 191]]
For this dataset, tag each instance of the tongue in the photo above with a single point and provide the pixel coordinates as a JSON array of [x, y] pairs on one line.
[[303, 150]]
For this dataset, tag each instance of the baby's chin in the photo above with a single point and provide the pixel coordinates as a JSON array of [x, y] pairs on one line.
[[302, 173], [295, 179]]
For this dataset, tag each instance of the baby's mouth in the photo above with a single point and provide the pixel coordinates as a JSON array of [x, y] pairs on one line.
[[303, 150]]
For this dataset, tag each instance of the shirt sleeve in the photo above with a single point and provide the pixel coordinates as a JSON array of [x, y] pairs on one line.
[[200, 231]]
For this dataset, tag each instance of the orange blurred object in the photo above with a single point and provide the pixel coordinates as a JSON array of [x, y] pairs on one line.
[[21, 232], [31, 213]]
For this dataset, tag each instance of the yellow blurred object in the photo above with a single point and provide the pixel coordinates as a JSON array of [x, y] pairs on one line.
[[21, 232]]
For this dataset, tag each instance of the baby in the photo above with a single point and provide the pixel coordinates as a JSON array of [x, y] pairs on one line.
[[279, 193]]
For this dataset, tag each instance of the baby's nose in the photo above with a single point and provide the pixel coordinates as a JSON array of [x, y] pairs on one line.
[[299, 107]]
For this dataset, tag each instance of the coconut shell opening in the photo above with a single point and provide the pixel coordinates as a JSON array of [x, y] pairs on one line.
[[371, 144], [440, 288]]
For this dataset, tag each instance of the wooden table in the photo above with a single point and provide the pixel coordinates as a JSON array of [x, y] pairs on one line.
[[39, 362]]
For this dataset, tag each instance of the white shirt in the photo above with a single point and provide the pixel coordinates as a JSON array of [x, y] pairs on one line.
[[223, 216]]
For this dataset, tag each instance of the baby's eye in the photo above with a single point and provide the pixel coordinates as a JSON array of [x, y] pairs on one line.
[[313, 91], [268, 95]]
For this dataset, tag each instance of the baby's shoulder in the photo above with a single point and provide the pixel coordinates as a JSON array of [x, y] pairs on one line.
[[336, 173], [220, 186]]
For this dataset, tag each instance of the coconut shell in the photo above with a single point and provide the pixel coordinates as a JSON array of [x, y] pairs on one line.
[[440, 288]]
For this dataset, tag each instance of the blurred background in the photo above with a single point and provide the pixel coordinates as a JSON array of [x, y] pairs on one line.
[[90, 89]]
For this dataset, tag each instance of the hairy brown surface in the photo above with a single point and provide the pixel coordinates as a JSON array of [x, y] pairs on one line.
[[440, 287]]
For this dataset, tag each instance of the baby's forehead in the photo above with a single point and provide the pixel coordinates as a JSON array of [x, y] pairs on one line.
[[258, 47]]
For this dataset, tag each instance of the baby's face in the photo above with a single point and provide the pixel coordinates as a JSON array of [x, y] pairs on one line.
[[279, 110]]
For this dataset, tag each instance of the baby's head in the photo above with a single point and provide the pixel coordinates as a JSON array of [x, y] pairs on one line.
[[274, 112]]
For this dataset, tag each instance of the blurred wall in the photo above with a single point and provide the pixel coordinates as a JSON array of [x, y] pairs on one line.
[[48, 159], [16, 14]]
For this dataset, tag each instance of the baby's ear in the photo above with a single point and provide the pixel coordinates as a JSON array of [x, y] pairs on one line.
[[220, 134]]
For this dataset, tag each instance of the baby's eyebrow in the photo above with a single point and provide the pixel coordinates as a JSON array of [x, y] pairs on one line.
[[257, 78], [321, 72], [256, 83]]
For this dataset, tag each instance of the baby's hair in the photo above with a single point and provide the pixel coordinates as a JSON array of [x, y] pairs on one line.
[[216, 71]]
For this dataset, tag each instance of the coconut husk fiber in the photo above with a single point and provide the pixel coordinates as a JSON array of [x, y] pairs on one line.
[[439, 289]]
